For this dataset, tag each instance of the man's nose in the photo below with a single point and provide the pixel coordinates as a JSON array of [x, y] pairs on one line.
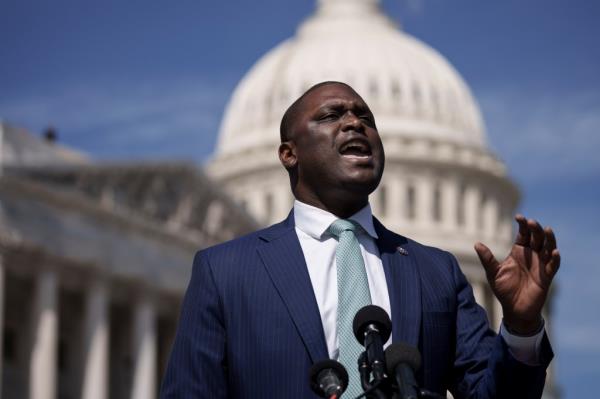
[[352, 122]]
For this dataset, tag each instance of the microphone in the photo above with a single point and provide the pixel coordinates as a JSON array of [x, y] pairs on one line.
[[328, 379], [404, 360], [372, 327]]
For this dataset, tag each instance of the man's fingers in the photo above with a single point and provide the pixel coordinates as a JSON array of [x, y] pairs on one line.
[[550, 243], [554, 264], [537, 235], [523, 235], [488, 260]]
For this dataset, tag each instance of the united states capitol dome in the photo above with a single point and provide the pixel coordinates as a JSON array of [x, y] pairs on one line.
[[411, 88]]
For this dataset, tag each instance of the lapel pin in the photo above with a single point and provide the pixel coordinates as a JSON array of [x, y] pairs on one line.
[[402, 251]]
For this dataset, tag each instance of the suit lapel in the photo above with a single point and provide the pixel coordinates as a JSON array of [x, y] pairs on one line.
[[404, 285], [284, 261]]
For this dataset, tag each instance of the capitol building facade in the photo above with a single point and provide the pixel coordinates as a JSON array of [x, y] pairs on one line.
[[95, 257]]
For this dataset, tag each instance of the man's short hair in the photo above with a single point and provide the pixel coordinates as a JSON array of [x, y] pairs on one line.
[[290, 115]]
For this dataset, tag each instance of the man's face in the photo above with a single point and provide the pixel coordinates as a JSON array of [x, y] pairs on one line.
[[337, 143]]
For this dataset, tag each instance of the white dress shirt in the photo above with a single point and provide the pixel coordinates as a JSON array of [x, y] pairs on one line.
[[319, 248]]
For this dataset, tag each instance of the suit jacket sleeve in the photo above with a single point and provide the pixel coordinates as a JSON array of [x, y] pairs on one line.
[[197, 368], [483, 365]]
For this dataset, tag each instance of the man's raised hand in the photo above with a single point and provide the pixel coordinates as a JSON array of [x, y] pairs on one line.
[[522, 280]]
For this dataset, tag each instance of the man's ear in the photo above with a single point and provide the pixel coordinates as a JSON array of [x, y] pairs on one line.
[[287, 154]]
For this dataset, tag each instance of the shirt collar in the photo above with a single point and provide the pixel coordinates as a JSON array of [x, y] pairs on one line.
[[315, 221]]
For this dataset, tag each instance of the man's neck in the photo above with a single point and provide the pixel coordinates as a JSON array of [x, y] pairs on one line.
[[340, 207]]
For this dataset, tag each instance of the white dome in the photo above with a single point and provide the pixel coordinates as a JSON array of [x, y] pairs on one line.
[[413, 91]]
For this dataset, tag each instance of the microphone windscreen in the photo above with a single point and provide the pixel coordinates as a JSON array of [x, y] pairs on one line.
[[399, 352], [338, 369], [371, 314]]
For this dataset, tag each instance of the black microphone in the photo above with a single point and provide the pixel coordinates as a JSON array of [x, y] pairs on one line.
[[403, 361], [372, 328], [328, 378]]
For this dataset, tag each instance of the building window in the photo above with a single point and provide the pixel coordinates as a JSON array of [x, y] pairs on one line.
[[460, 205], [435, 102], [410, 202], [437, 203], [373, 88], [382, 200], [417, 95], [396, 90], [268, 206], [481, 222]]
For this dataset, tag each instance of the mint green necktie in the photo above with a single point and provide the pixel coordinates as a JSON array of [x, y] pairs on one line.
[[353, 294]]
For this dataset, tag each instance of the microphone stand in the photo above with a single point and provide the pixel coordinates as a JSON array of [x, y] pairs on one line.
[[370, 390]]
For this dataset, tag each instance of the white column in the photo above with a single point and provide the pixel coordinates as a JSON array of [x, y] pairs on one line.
[[145, 350], [43, 373], [256, 204], [95, 373], [497, 313], [479, 293]]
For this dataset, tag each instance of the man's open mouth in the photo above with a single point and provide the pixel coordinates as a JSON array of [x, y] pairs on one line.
[[356, 148]]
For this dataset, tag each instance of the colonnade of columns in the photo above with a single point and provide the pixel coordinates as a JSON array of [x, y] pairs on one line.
[[446, 204], [43, 361]]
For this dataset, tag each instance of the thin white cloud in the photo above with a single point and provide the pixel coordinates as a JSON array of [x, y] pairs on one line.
[[109, 120], [545, 137]]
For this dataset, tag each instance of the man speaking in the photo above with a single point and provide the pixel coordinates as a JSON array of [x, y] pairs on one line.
[[261, 309]]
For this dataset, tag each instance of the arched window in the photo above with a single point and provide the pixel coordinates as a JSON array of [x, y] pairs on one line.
[[410, 202], [373, 88], [481, 219], [460, 205], [417, 95], [382, 200], [243, 203], [396, 91], [437, 203], [268, 206], [435, 102]]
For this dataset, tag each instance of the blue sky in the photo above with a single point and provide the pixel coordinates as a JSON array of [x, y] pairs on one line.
[[150, 79]]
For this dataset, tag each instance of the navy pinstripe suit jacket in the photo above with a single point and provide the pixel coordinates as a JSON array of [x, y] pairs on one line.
[[250, 325]]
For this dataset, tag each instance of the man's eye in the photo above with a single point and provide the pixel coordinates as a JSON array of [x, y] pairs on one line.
[[328, 116]]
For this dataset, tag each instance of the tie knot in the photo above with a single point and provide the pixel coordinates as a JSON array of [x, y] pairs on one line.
[[341, 225]]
